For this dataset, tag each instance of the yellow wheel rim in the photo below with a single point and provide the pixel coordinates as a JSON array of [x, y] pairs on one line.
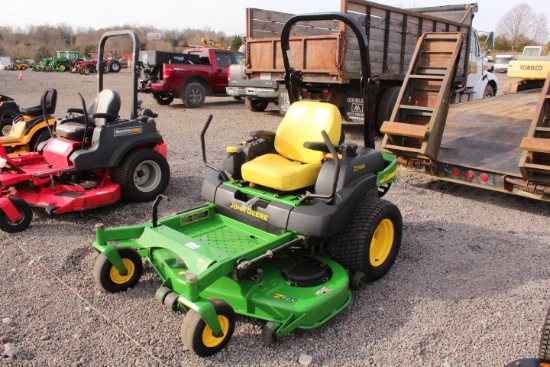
[[208, 339], [381, 243], [117, 278]]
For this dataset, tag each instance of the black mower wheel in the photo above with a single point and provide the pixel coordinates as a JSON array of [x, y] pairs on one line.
[[385, 106], [197, 335], [86, 71], [114, 67], [194, 95], [142, 175], [256, 105], [6, 126], [544, 348], [371, 241], [269, 335], [163, 99], [109, 278], [38, 138], [24, 209]]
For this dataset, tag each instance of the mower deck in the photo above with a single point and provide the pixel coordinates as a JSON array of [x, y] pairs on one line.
[[204, 243]]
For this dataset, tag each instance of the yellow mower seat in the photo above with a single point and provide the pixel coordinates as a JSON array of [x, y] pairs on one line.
[[294, 167]]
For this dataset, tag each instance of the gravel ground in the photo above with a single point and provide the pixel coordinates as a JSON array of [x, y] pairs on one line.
[[469, 288]]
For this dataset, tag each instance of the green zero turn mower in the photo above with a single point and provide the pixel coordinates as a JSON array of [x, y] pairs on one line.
[[294, 219]]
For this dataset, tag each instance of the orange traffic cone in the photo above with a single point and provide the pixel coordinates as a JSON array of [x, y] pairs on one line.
[[20, 75]]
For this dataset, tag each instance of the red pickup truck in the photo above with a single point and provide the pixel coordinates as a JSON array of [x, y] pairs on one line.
[[191, 75]]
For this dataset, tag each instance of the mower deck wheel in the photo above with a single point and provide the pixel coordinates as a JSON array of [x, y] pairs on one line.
[[24, 209], [269, 332], [358, 281], [161, 293], [171, 301], [197, 335], [110, 279]]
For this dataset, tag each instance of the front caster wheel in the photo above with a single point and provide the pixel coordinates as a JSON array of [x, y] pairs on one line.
[[197, 335], [109, 278], [25, 216]]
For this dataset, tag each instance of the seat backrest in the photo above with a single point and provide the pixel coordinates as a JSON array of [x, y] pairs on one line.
[[304, 122], [49, 99], [107, 101]]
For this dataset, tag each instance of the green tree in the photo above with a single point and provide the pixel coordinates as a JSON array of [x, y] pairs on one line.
[[236, 42]]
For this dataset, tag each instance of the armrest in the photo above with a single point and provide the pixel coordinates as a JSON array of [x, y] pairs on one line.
[[263, 134], [75, 110]]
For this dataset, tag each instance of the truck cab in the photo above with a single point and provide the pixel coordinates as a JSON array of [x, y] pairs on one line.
[[191, 75]]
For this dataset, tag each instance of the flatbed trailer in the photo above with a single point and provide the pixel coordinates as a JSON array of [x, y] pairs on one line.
[[501, 144]]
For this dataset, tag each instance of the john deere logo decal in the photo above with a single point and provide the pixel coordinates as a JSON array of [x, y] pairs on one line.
[[128, 131], [286, 298]]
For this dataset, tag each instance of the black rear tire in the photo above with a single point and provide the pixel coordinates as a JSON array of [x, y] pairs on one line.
[[24, 209], [544, 348], [142, 175], [194, 95], [489, 91], [385, 106], [256, 105], [39, 137], [371, 241]]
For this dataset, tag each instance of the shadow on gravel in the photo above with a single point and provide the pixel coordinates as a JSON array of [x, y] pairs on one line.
[[503, 200]]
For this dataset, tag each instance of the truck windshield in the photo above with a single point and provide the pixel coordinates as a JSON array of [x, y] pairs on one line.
[[530, 51]]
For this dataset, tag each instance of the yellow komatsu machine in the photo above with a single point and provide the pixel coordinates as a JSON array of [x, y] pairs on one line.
[[531, 67]]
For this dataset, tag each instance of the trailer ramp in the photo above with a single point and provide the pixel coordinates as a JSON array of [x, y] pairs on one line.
[[418, 120], [534, 163]]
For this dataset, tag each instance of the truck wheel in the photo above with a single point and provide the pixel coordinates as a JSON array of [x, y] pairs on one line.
[[194, 95], [109, 278], [163, 99], [544, 348], [24, 209], [489, 91], [256, 105], [371, 241], [114, 67], [197, 335], [142, 175], [385, 106], [5, 127]]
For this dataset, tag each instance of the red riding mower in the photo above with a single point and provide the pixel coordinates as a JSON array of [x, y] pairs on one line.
[[94, 159], [23, 130]]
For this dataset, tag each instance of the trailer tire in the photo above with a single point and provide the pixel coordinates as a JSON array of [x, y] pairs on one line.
[[385, 106], [26, 216], [194, 95], [489, 92], [371, 241], [197, 335], [544, 348], [142, 175], [256, 105], [163, 99], [110, 279]]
